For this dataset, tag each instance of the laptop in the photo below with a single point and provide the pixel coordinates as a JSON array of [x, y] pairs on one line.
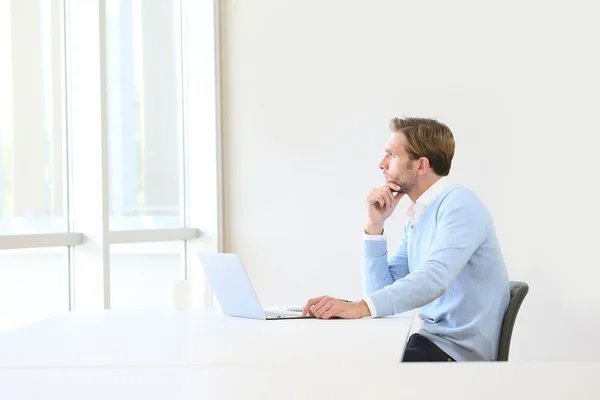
[[234, 291]]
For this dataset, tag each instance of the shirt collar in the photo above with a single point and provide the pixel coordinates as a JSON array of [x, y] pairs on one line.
[[415, 210], [433, 192]]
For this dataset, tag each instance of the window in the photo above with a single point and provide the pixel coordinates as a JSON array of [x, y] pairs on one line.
[[31, 118], [144, 90], [109, 184], [140, 274]]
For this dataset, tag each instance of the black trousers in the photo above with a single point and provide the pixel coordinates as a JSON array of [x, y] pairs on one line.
[[419, 348]]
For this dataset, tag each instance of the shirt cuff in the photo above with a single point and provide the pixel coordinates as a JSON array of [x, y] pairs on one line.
[[382, 302], [371, 306], [366, 236]]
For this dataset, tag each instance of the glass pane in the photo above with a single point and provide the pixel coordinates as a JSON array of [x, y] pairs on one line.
[[144, 113], [31, 117], [141, 274], [34, 284]]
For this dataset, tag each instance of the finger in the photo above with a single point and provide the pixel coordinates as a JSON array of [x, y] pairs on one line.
[[325, 308], [393, 186], [372, 198], [397, 197], [381, 200], [315, 309], [309, 304], [389, 198], [333, 311], [375, 195]]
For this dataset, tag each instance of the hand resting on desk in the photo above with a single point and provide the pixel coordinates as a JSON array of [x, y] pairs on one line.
[[326, 307]]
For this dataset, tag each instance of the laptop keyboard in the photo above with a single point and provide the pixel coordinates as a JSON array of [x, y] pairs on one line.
[[282, 313]]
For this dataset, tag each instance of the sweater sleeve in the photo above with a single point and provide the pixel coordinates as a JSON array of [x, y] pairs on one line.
[[378, 271], [461, 229]]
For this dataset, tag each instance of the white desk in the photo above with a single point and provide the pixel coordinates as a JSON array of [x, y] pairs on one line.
[[197, 337], [464, 381]]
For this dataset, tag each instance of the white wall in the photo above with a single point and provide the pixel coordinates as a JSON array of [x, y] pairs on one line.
[[309, 87]]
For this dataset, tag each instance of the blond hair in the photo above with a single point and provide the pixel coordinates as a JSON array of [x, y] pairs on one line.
[[427, 138]]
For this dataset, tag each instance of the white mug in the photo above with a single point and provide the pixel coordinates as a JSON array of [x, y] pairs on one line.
[[180, 294]]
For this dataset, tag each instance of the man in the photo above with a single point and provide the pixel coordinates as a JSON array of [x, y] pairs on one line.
[[449, 262]]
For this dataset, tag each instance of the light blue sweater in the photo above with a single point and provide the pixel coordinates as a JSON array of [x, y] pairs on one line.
[[451, 265]]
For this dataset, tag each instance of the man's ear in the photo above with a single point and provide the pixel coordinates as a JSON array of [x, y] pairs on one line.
[[423, 165]]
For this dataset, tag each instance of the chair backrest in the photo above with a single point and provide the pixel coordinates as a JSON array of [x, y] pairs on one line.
[[518, 291]]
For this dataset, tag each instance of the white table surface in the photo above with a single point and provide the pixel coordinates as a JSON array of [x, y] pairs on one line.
[[464, 381], [197, 337]]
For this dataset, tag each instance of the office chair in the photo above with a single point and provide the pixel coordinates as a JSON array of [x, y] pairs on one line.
[[518, 291]]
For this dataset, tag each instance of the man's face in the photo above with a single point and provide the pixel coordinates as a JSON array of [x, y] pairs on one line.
[[397, 166]]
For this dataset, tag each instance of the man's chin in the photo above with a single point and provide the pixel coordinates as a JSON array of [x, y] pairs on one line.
[[395, 183]]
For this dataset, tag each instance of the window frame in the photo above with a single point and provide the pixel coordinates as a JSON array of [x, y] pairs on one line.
[[86, 223]]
